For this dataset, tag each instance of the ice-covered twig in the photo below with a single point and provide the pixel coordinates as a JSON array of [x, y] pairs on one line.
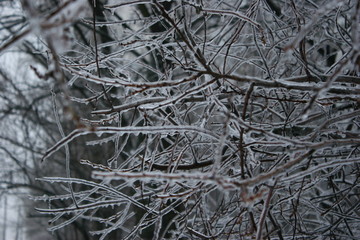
[[131, 130]]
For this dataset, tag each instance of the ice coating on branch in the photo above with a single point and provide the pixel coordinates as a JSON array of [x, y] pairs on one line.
[[189, 122], [132, 130]]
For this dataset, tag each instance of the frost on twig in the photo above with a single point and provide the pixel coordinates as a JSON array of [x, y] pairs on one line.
[[201, 119]]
